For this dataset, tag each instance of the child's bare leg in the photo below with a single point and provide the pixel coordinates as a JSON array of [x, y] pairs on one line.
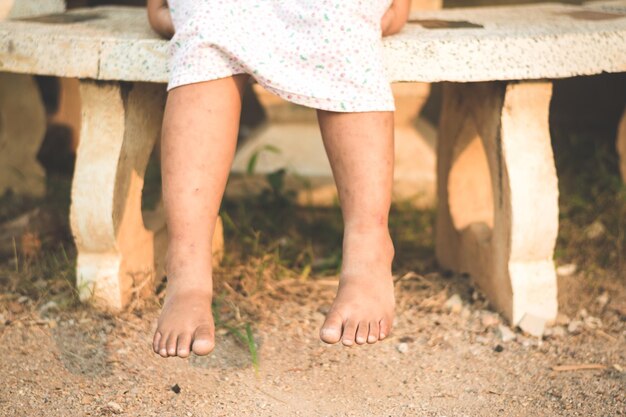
[[361, 152], [199, 139]]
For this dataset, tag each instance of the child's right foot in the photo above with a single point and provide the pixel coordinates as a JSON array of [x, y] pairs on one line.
[[186, 321], [364, 307]]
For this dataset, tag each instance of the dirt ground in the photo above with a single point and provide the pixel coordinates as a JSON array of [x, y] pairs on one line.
[[437, 362]]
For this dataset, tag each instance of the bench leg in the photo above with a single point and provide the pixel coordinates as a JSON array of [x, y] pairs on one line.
[[621, 145], [22, 129], [120, 249], [498, 194]]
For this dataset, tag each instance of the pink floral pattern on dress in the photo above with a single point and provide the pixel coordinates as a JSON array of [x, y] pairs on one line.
[[325, 54]]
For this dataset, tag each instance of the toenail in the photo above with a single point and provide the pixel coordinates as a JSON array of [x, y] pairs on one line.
[[360, 340], [383, 335], [371, 339], [348, 342]]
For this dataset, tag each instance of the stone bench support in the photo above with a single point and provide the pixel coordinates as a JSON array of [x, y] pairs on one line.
[[498, 197], [116, 252]]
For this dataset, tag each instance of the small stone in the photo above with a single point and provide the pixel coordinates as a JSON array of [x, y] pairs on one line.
[[558, 332], [23, 299], [176, 389], [582, 313], [603, 299], [402, 347], [575, 327], [115, 407], [592, 322], [506, 334], [465, 313], [454, 304], [595, 230], [498, 348], [555, 332], [482, 340], [50, 305], [490, 320], [532, 325], [566, 270], [618, 368]]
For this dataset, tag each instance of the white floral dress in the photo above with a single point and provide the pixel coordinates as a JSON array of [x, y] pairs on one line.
[[325, 54]]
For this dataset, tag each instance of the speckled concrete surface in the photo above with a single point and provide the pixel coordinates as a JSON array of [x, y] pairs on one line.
[[495, 43], [514, 42], [21, 8]]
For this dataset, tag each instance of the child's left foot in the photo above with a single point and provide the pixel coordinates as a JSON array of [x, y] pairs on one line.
[[363, 309]]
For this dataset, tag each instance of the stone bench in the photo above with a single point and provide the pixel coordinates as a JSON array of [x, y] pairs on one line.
[[497, 184]]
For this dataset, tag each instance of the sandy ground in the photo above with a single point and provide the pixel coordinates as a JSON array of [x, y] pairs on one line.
[[437, 362]]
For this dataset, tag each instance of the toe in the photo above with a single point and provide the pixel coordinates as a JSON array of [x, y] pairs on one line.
[[155, 341], [349, 331], [385, 329], [203, 340], [163, 345], [184, 345], [171, 344], [331, 330], [361, 332], [374, 332]]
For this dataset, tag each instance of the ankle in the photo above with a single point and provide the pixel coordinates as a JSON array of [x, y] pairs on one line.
[[367, 251], [367, 226], [189, 286], [358, 236], [188, 270]]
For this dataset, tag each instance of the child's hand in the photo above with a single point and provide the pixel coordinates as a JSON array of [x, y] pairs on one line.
[[160, 18], [395, 18]]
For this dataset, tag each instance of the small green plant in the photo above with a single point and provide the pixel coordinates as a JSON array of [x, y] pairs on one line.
[[276, 194], [247, 338], [252, 162]]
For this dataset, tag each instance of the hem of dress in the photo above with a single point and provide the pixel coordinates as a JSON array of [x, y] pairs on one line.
[[183, 79], [339, 106]]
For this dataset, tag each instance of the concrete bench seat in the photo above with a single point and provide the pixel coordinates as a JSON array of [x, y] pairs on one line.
[[497, 184], [462, 45]]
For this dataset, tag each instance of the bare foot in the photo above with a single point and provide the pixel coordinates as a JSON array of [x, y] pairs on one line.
[[364, 307], [186, 322]]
